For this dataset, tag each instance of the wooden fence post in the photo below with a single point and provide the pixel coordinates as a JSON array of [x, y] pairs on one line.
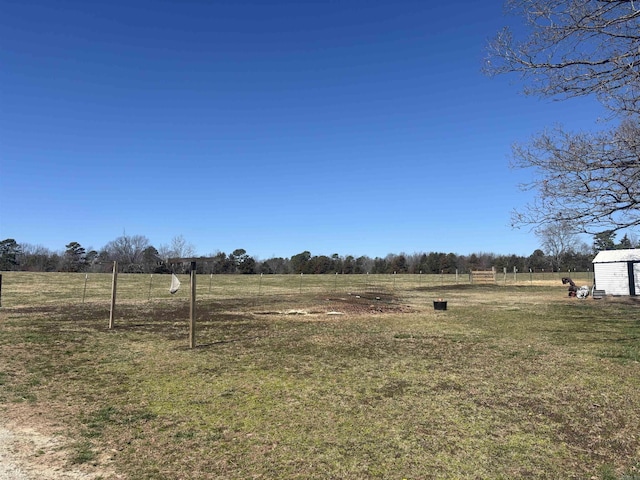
[[113, 294], [192, 309], [84, 291]]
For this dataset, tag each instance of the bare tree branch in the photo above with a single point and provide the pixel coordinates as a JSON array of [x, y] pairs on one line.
[[578, 48], [575, 48], [590, 180]]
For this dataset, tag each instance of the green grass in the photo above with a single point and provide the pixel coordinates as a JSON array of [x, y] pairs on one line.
[[511, 381]]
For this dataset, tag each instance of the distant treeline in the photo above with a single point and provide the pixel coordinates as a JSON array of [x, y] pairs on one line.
[[135, 254]]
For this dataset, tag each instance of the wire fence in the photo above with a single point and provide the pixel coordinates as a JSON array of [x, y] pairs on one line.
[[34, 288]]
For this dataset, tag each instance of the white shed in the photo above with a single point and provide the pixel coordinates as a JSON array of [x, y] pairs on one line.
[[617, 272]]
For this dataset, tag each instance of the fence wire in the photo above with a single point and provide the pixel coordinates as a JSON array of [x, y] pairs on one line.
[[35, 288]]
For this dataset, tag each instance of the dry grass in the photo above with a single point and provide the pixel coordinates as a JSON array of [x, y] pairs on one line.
[[513, 381], [33, 288]]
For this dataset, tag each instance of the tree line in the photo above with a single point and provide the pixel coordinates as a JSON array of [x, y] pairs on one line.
[[135, 254]]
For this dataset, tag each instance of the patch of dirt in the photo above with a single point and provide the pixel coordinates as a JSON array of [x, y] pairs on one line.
[[33, 449], [361, 305], [355, 305]]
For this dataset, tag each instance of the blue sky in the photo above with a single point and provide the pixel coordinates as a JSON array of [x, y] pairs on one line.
[[351, 127]]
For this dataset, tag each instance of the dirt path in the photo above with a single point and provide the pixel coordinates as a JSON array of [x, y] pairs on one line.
[[9, 470], [35, 452]]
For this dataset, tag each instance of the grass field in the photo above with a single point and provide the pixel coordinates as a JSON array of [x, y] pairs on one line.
[[315, 377]]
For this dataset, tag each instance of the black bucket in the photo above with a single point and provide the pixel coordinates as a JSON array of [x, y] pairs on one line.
[[439, 305]]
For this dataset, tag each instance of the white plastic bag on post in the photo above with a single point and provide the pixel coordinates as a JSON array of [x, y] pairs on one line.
[[175, 284]]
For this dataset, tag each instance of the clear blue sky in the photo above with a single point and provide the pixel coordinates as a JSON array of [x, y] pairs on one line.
[[350, 127]]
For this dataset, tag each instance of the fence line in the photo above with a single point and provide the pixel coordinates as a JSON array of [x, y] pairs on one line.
[[36, 288]]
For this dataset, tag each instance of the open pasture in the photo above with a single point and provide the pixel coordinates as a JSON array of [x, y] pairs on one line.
[[315, 377]]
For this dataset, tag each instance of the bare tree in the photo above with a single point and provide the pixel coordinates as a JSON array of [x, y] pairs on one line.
[[578, 48], [127, 250], [179, 248], [38, 258], [164, 252], [557, 240]]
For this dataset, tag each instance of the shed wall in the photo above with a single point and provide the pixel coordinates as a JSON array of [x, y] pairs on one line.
[[613, 278]]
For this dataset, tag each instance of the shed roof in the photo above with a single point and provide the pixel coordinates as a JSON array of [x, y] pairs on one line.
[[624, 255]]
